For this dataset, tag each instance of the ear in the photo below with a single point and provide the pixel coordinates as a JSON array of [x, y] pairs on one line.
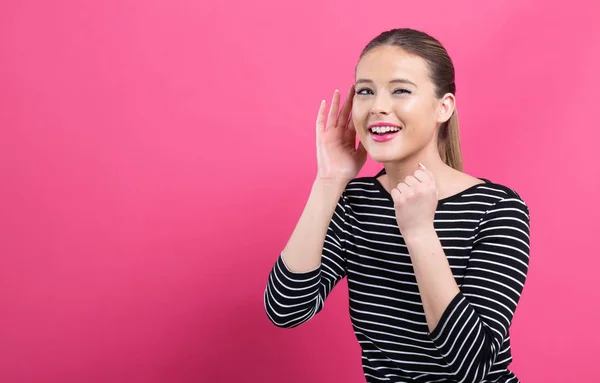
[[446, 106]]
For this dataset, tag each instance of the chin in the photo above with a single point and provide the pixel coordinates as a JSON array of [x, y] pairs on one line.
[[387, 159], [389, 154]]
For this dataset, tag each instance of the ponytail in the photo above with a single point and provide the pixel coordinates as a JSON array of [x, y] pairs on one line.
[[449, 143]]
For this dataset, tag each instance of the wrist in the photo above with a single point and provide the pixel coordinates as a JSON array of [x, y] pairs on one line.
[[330, 184], [419, 235], [327, 192]]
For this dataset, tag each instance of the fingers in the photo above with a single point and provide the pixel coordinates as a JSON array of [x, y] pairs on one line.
[[333, 120], [333, 110], [346, 108], [321, 117], [411, 181], [421, 182], [423, 174], [350, 133], [396, 194], [424, 169], [400, 193], [402, 187], [418, 177]]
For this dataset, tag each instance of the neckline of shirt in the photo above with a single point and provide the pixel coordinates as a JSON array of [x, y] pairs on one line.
[[388, 196]]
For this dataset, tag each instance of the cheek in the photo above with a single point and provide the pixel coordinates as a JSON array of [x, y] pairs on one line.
[[358, 107], [414, 112], [410, 107], [359, 115]]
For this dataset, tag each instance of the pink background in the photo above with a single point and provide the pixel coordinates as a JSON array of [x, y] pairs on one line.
[[155, 156]]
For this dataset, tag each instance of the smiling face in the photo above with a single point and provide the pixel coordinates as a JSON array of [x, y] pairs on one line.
[[395, 109]]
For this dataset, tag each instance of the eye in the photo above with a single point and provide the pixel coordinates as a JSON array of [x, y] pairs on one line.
[[402, 91], [364, 91], [367, 91]]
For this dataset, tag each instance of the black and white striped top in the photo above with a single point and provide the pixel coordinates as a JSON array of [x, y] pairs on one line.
[[484, 231]]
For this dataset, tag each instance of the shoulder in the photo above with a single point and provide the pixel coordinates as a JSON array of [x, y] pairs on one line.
[[503, 191], [499, 191], [508, 202], [362, 185], [365, 192]]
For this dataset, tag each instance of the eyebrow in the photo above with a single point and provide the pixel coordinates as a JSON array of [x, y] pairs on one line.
[[394, 81]]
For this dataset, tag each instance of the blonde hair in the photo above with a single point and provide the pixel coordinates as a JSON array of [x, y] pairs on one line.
[[441, 72], [449, 143]]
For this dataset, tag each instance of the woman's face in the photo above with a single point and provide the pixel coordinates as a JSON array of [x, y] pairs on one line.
[[393, 90]]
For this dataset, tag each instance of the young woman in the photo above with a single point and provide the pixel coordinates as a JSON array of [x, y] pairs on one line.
[[435, 259]]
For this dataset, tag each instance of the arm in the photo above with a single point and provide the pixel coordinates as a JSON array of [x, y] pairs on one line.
[[469, 325], [312, 262]]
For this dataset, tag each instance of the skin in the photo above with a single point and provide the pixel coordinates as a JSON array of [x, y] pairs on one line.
[[416, 177]]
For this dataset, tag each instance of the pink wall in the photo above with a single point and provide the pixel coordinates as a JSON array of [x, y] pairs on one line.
[[155, 156]]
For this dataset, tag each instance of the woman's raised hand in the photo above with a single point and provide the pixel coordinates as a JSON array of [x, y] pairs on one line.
[[338, 158]]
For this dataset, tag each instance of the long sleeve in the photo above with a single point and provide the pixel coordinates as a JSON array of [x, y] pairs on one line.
[[475, 324], [291, 298]]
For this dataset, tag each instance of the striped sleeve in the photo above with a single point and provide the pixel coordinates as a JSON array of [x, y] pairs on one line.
[[475, 324], [292, 298]]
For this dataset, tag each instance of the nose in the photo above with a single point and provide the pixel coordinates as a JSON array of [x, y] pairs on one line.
[[381, 105]]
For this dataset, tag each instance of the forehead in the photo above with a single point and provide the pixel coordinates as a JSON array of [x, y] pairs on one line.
[[385, 63]]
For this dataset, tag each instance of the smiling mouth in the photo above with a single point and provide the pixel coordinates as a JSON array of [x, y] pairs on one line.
[[383, 130]]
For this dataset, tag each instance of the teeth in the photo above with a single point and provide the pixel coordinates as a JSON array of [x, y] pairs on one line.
[[384, 129]]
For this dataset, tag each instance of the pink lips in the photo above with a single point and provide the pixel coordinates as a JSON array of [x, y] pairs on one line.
[[383, 137]]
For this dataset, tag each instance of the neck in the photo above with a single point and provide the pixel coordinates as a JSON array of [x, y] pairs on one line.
[[398, 171], [444, 175]]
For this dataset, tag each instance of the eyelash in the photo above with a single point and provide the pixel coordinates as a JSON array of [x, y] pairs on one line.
[[358, 92]]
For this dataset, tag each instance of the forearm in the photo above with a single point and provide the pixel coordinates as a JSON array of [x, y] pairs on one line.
[[436, 282], [444, 308], [303, 250], [469, 325]]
